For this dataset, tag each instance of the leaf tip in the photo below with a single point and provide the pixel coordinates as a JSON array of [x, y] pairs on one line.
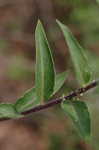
[[39, 25], [58, 22], [39, 22]]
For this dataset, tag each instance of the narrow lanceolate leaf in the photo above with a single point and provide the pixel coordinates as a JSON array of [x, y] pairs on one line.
[[44, 66], [79, 59], [78, 112], [59, 81], [27, 101], [8, 111]]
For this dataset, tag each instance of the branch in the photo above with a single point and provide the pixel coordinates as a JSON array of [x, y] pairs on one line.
[[59, 100]]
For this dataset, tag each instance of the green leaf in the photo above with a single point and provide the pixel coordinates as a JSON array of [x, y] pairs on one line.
[[27, 101], [79, 58], [44, 66], [8, 111], [78, 112], [59, 81]]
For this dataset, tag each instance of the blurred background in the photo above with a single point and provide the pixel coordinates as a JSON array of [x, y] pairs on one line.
[[50, 129]]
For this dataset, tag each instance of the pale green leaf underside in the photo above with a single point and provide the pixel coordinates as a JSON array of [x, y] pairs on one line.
[[8, 111], [59, 81], [44, 66], [79, 59], [78, 112], [27, 101]]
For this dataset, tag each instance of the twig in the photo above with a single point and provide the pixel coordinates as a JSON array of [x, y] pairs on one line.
[[59, 100]]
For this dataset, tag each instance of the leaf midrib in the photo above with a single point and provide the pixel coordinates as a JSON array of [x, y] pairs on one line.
[[42, 73]]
